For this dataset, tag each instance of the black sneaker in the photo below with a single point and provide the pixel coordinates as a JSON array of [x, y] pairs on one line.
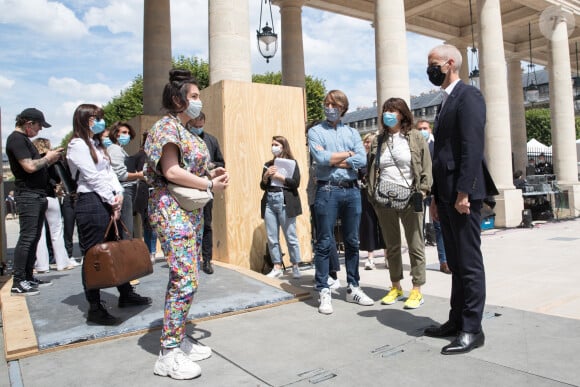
[[98, 314], [23, 288], [36, 282], [133, 299]]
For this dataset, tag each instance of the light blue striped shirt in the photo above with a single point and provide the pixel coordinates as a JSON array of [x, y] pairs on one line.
[[324, 140]]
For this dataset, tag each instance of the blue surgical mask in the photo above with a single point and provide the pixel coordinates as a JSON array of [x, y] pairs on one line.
[[332, 114], [98, 126], [194, 108], [197, 131], [107, 142], [124, 139], [390, 119]]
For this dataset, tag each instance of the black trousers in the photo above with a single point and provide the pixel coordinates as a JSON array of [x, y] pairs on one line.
[[462, 240], [93, 217], [69, 220], [207, 243], [31, 209]]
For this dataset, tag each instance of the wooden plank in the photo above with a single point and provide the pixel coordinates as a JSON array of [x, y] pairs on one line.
[[19, 336]]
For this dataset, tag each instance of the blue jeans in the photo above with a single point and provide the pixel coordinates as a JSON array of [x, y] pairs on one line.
[[31, 208], [275, 217], [439, 242], [332, 202]]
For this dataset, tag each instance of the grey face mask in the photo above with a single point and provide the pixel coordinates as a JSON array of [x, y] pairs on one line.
[[332, 114]]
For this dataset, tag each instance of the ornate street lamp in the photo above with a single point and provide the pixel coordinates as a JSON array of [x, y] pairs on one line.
[[532, 91], [267, 38]]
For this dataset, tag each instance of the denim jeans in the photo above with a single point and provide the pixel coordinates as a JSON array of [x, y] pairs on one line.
[[275, 217], [439, 242], [332, 202], [31, 208]]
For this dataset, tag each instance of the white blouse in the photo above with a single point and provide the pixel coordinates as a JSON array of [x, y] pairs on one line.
[[401, 154], [99, 178]]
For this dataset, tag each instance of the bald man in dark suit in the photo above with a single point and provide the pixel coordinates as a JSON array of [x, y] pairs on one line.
[[460, 183]]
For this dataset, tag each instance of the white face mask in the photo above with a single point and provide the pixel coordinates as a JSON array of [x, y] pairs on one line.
[[194, 108], [276, 150]]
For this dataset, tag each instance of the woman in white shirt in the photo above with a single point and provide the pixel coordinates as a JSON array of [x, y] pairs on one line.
[[100, 196], [120, 134]]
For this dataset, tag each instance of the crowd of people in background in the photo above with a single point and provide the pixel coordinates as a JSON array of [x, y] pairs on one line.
[[444, 169]]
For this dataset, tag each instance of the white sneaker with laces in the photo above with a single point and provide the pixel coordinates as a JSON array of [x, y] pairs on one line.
[[176, 365], [193, 350], [275, 273], [296, 272], [333, 283], [355, 294], [325, 302], [370, 264]]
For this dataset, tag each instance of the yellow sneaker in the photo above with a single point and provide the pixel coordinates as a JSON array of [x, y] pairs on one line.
[[415, 300], [392, 296]]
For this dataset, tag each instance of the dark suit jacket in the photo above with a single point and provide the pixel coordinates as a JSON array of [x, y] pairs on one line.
[[213, 146], [458, 160], [291, 197]]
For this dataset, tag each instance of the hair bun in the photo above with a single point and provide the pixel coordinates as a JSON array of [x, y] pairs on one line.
[[179, 75]]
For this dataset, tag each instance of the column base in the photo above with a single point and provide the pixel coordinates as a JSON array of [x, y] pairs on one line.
[[567, 203], [508, 208]]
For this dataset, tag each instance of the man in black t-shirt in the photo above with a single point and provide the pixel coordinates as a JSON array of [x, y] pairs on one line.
[[31, 182]]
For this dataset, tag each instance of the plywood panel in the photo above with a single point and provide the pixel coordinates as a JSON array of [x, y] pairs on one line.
[[244, 117]]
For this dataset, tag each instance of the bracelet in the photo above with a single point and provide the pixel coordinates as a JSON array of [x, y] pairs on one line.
[[210, 185]]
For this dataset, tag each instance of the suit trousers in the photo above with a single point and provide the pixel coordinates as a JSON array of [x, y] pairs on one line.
[[462, 237]]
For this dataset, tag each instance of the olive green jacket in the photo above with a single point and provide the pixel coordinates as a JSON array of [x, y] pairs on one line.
[[420, 164]]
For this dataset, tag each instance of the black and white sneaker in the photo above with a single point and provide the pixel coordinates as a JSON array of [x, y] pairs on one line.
[[36, 282], [23, 288]]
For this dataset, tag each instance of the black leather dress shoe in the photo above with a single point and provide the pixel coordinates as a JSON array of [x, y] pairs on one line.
[[463, 343], [446, 329], [207, 267]]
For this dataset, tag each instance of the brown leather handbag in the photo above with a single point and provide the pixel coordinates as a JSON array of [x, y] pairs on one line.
[[116, 262]]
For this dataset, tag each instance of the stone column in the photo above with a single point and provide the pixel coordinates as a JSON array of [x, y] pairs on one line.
[[229, 41], [517, 115], [293, 73], [465, 68], [391, 51], [562, 106], [156, 53], [563, 123], [497, 134]]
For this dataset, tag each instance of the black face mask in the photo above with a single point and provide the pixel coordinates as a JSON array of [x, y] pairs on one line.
[[436, 77]]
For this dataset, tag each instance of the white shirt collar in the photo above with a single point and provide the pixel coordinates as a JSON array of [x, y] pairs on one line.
[[450, 88]]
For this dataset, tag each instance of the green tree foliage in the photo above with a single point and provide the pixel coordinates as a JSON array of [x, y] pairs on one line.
[[315, 92], [539, 125], [129, 103]]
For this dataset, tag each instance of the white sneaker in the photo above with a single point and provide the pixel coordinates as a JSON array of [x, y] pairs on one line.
[[325, 302], [296, 272], [193, 350], [370, 264], [152, 257], [333, 283], [176, 365], [73, 262], [275, 273], [356, 294]]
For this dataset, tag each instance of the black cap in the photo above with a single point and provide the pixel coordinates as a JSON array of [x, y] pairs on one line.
[[35, 115]]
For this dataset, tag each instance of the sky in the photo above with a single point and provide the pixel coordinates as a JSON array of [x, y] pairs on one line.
[[55, 55]]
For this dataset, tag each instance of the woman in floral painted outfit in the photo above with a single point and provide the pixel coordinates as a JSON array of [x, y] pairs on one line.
[[178, 156]]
